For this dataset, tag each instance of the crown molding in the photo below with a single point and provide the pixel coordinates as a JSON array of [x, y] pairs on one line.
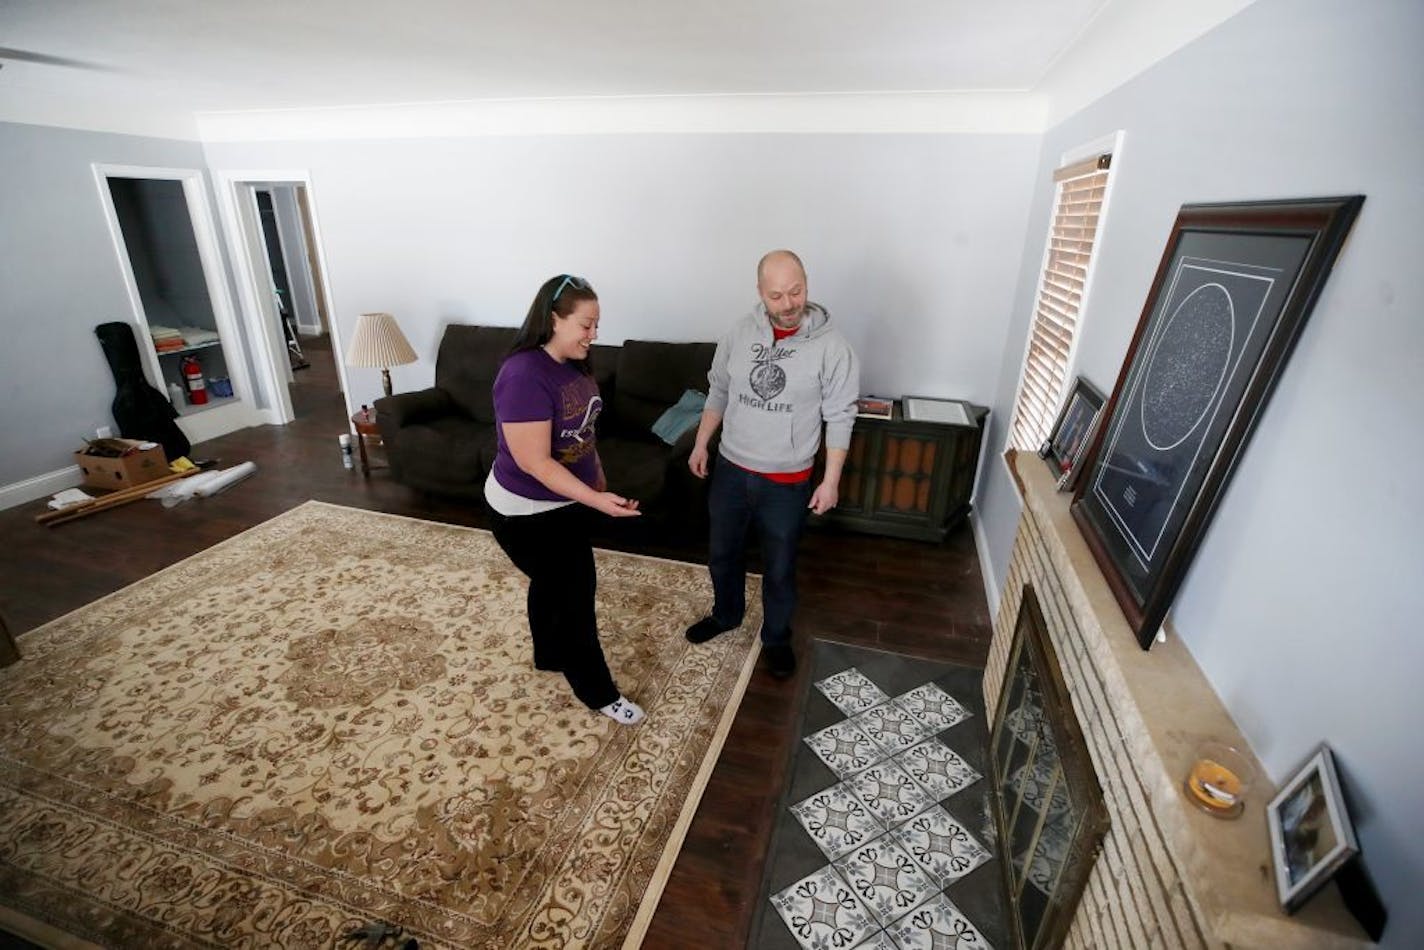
[[845, 113]]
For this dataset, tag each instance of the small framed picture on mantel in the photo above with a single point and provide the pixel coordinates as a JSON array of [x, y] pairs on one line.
[[875, 407], [1072, 433], [1311, 833]]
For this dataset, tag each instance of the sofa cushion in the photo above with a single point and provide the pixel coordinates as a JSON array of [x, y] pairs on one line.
[[635, 469], [467, 364], [447, 450], [652, 377], [605, 373]]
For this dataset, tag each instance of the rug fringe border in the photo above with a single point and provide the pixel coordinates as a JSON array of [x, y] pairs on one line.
[[639, 928]]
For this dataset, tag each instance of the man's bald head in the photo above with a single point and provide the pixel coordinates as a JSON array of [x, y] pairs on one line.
[[781, 284], [779, 257]]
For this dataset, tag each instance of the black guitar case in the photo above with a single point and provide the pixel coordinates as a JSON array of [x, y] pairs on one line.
[[141, 411]]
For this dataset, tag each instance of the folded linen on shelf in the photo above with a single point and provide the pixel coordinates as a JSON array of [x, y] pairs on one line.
[[193, 336]]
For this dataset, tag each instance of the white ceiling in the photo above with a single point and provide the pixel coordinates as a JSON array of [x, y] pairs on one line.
[[218, 55]]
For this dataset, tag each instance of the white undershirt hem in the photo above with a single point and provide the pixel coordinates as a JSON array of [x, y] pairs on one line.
[[510, 505]]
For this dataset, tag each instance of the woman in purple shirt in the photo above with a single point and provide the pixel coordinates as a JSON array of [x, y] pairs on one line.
[[546, 476]]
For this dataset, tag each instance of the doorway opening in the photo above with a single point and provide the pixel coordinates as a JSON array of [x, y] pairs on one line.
[[272, 227], [282, 283]]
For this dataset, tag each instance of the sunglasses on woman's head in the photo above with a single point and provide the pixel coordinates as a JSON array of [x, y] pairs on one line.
[[578, 283]]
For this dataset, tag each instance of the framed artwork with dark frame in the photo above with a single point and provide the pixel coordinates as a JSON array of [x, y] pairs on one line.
[[1311, 833], [1047, 801], [1072, 432], [1231, 295]]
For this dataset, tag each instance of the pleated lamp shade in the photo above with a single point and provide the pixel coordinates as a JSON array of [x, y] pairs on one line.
[[379, 342]]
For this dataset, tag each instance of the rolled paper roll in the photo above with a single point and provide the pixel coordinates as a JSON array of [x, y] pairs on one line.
[[176, 493], [227, 478]]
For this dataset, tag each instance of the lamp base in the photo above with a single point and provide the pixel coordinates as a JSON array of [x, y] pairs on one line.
[[386, 380]]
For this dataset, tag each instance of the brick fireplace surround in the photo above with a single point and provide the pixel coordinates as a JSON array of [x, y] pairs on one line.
[[1168, 875]]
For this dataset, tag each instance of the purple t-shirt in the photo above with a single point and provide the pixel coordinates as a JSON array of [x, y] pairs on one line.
[[532, 386]]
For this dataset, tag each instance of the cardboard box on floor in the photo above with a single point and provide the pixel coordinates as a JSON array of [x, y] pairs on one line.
[[139, 466]]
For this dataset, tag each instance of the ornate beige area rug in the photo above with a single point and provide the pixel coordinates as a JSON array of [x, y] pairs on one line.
[[333, 719]]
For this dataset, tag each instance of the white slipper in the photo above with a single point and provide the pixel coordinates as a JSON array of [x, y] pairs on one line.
[[624, 711]]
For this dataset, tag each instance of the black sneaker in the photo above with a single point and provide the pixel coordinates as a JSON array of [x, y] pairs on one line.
[[780, 659], [705, 629]]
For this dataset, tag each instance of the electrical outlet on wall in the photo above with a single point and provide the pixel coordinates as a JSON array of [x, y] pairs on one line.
[[104, 432]]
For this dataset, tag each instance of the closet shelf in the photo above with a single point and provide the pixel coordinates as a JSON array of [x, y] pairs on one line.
[[212, 403], [189, 349]]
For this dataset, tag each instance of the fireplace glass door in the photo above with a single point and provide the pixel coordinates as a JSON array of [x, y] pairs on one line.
[[1047, 801]]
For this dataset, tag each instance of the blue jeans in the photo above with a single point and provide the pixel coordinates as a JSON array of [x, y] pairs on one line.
[[737, 500]]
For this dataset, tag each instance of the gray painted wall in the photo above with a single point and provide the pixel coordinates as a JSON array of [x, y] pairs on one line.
[[1304, 598], [912, 241], [59, 278]]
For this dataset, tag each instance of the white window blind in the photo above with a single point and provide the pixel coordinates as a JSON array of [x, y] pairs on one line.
[[1060, 293]]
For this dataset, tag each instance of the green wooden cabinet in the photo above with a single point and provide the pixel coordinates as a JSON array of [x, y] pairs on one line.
[[908, 479]]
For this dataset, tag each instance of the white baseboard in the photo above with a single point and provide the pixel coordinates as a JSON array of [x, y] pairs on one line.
[[41, 486], [986, 565]]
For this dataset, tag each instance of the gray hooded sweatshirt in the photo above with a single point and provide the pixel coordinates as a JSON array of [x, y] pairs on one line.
[[774, 396]]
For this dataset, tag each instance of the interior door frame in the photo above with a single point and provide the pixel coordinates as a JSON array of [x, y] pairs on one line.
[[236, 192], [220, 420]]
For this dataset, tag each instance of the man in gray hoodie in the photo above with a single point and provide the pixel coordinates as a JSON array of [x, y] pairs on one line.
[[778, 376]]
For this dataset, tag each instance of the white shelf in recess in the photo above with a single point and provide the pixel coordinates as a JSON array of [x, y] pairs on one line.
[[189, 349], [212, 403]]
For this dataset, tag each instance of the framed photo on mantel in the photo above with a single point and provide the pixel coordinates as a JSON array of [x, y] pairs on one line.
[[1231, 295], [1067, 443], [1311, 832]]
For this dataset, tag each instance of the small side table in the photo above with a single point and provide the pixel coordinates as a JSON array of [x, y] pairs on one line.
[[365, 425]]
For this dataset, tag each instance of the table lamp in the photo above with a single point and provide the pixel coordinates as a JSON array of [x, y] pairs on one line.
[[379, 342]]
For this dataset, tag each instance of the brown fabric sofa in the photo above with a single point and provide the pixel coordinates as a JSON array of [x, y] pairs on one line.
[[442, 439]]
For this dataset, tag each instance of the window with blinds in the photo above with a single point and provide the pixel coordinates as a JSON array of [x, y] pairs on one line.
[[1060, 293]]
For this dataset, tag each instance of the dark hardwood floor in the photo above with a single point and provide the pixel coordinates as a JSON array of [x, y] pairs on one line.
[[905, 596]]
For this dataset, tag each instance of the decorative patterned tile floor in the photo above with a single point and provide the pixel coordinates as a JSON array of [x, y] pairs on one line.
[[884, 839]]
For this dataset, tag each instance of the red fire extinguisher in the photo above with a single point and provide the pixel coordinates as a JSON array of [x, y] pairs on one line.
[[193, 378]]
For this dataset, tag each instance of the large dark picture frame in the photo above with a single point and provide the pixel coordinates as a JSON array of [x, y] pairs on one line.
[[1047, 802], [1231, 295]]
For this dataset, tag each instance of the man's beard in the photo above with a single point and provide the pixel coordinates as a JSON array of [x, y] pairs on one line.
[[789, 321]]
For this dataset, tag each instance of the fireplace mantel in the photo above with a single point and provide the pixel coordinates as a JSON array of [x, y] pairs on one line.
[[1169, 875]]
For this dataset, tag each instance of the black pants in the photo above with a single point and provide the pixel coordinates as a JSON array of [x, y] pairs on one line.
[[553, 549]]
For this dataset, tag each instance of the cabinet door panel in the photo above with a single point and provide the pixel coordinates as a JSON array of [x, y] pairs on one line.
[[906, 474]]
